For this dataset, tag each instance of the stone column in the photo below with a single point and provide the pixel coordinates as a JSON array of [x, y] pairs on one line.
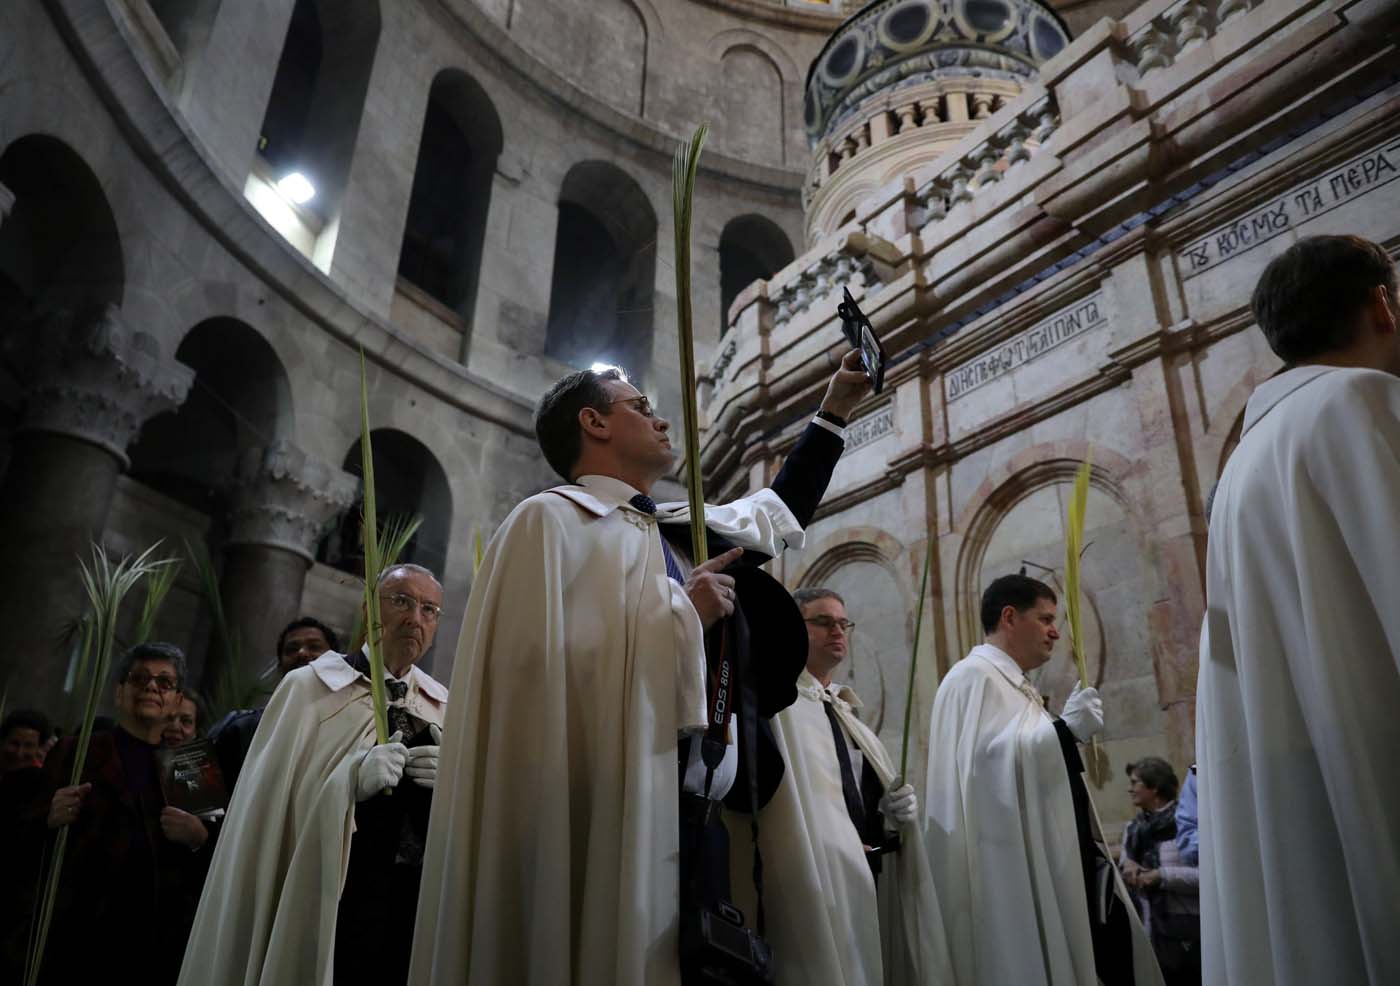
[[94, 384], [282, 503]]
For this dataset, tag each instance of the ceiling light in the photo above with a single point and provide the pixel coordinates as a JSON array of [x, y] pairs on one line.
[[297, 188]]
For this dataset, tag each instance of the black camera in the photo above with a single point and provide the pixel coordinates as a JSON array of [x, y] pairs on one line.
[[722, 951]]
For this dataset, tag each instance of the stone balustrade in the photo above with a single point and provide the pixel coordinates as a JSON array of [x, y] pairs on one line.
[[1171, 29]]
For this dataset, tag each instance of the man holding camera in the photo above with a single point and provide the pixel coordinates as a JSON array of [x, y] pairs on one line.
[[558, 851]]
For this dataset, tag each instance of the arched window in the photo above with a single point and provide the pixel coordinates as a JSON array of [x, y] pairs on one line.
[[312, 121], [447, 209], [408, 481], [751, 248], [600, 300]]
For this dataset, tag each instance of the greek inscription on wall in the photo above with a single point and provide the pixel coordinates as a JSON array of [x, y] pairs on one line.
[[1020, 349], [870, 427], [1299, 205]]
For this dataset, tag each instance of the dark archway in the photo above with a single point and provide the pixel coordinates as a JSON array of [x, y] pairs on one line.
[[409, 481], [601, 292], [447, 209], [318, 97], [751, 248]]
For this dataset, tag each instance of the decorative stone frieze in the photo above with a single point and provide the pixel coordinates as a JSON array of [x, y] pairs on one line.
[[100, 381], [284, 499]]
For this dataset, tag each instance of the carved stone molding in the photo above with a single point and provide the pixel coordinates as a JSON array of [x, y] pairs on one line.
[[99, 381], [284, 499]]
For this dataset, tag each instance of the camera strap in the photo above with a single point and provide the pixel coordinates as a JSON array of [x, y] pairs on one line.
[[716, 738]]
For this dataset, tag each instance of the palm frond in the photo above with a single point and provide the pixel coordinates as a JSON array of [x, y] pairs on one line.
[[1098, 766], [913, 662], [683, 169], [477, 554], [158, 586], [374, 624], [235, 686], [106, 586]]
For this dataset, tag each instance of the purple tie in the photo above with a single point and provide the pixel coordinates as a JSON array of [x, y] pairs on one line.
[[647, 506]]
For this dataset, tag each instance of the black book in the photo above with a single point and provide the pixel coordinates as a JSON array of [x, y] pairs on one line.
[[190, 777]]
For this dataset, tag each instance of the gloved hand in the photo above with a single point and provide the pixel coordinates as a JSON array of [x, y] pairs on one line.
[[1083, 713], [422, 764], [900, 805], [381, 767]]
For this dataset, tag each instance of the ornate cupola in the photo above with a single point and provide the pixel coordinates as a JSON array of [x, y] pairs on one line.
[[903, 80]]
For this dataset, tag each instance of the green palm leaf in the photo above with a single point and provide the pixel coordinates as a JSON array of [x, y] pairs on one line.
[[683, 168]]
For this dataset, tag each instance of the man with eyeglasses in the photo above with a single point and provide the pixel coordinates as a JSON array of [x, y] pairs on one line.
[[839, 810], [577, 826], [134, 866], [316, 875]]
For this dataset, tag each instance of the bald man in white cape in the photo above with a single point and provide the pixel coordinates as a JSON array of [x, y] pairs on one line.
[[1006, 848], [1298, 701]]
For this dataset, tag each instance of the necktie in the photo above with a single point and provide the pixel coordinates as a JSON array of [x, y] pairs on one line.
[[399, 719], [647, 506], [850, 790]]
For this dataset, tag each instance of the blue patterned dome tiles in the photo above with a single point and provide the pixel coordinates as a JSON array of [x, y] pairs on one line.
[[894, 43]]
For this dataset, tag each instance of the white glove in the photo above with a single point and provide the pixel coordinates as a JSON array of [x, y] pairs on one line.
[[900, 805], [381, 767], [1083, 713], [422, 764]]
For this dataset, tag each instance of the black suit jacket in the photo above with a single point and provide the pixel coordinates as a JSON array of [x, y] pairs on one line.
[[800, 484]]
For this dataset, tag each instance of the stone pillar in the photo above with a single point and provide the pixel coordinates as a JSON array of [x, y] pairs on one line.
[[282, 503], [94, 384]]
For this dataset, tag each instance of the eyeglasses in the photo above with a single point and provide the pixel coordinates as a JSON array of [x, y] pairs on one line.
[[642, 405], [827, 623], [140, 679], [403, 603]]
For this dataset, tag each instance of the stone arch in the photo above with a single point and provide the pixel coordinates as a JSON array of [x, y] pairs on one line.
[[409, 480], [751, 117], [59, 245], [1016, 521], [741, 36], [751, 248], [241, 399], [601, 291], [313, 119], [451, 195], [864, 565]]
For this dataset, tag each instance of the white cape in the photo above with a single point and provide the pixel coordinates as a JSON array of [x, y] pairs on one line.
[[825, 923], [1002, 839], [552, 853], [268, 911], [1298, 702]]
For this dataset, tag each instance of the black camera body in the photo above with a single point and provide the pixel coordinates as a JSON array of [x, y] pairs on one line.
[[725, 953]]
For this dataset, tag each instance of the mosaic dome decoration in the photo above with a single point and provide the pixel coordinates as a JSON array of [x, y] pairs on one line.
[[889, 44]]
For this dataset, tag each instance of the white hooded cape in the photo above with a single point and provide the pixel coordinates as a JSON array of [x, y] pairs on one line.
[[1298, 702], [268, 911], [552, 852], [1002, 840], [825, 923]]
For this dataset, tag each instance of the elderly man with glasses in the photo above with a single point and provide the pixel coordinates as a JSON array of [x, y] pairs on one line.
[[826, 834], [316, 876], [134, 865]]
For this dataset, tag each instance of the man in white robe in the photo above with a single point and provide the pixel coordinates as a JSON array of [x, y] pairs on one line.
[[1298, 701], [271, 905], [1026, 886], [826, 835], [554, 849]]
